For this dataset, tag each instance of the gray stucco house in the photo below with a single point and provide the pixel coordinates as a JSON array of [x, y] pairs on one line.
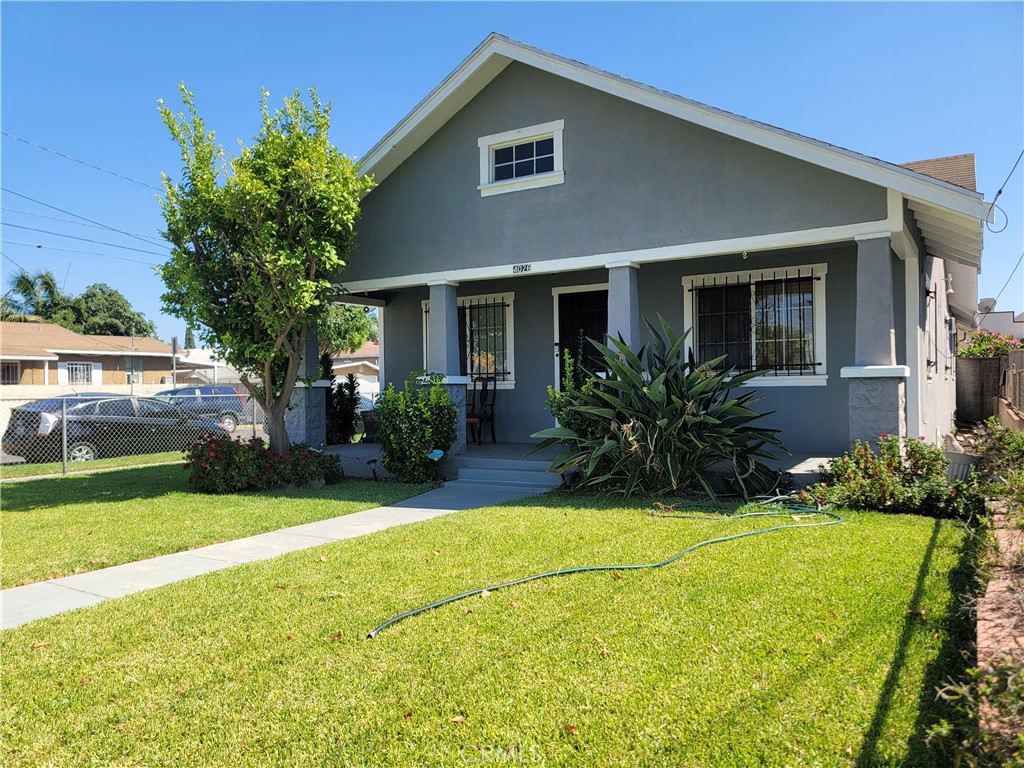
[[530, 198]]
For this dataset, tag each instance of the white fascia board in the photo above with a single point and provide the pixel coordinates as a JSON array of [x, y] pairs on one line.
[[109, 353], [835, 158], [496, 52], [464, 82], [820, 236], [27, 357]]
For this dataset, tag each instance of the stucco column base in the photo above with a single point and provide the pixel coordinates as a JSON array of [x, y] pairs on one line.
[[457, 392], [306, 420], [877, 406]]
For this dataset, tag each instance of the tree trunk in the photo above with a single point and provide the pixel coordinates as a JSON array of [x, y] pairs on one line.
[[276, 427]]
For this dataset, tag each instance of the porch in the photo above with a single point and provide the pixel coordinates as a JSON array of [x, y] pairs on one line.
[[504, 464]]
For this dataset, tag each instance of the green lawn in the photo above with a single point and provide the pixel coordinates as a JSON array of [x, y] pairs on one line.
[[65, 525], [813, 647], [12, 471]]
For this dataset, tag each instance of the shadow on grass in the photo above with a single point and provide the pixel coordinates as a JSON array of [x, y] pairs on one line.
[[957, 633], [144, 483]]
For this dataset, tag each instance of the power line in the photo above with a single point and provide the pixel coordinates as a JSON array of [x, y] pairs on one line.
[[13, 261], [86, 253], [81, 224], [1000, 190], [83, 162], [1012, 273], [84, 239], [77, 216]]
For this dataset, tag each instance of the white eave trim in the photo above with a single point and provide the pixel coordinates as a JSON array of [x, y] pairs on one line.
[[27, 357], [823, 235], [496, 52], [111, 353]]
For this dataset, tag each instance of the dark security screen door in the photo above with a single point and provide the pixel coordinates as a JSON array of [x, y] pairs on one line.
[[581, 316]]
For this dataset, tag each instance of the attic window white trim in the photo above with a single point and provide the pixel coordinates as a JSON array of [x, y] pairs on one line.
[[531, 133]]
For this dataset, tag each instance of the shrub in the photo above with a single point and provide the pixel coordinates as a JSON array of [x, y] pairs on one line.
[[1002, 460], [340, 404], [994, 694], [415, 422], [988, 344], [659, 423], [905, 476], [218, 464]]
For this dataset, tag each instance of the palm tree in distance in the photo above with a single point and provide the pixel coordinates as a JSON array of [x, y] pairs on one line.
[[32, 297]]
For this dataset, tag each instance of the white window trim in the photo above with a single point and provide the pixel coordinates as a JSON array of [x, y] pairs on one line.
[[487, 145], [817, 379], [461, 301], [17, 377]]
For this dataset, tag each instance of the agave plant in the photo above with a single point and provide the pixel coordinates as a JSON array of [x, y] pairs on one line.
[[665, 423]]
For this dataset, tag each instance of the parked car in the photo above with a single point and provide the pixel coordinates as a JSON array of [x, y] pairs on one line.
[[105, 426], [216, 401]]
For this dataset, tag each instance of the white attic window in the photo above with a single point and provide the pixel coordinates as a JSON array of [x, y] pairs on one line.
[[525, 158]]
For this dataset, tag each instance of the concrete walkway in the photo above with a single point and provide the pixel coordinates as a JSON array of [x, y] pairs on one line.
[[19, 605]]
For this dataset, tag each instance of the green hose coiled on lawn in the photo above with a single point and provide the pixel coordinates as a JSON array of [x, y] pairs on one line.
[[791, 507]]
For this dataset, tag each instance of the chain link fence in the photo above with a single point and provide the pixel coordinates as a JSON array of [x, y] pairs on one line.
[[90, 426]]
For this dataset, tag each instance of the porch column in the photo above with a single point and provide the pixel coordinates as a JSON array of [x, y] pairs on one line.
[[623, 303], [306, 421], [878, 398], [443, 330], [443, 353]]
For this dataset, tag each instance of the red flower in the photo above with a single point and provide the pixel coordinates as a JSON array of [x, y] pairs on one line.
[[885, 434], [212, 453], [952, 491]]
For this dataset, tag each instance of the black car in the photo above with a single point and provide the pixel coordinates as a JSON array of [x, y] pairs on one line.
[[214, 401], [100, 427]]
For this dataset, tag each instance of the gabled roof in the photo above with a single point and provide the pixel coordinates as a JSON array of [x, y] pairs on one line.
[[962, 211]]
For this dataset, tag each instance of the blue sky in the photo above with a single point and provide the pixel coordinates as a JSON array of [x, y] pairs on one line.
[[897, 81]]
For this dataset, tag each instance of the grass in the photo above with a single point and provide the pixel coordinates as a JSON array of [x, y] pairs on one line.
[[12, 471], [812, 647], [65, 525]]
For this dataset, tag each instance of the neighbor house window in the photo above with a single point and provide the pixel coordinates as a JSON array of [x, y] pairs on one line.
[[770, 320], [525, 158], [485, 336], [10, 372], [79, 373]]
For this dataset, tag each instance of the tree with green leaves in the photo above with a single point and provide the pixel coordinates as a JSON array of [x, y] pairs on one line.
[[344, 328], [102, 311], [32, 296], [190, 339], [256, 240]]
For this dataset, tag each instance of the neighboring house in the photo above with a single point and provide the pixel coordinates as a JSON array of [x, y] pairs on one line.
[[1003, 322], [364, 364], [208, 369], [530, 199], [47, 354]]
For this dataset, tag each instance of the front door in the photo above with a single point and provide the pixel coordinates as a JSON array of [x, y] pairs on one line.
[[581, 316]]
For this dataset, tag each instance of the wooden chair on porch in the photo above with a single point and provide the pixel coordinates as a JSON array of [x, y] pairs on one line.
[[480, 408]]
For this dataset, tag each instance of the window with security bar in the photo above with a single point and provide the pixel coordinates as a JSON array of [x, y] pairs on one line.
[[10, 373], [485, 336], [763, 321]]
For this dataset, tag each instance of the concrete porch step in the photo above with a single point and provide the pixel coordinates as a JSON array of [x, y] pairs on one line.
[[509, 475]]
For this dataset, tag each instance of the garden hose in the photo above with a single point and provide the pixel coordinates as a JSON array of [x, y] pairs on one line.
[[792, 507]]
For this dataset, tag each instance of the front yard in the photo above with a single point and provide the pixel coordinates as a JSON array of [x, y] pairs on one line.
[[60, 526], [817, 646]]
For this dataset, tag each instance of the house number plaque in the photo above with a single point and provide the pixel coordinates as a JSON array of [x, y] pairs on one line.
[[518, 269]]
